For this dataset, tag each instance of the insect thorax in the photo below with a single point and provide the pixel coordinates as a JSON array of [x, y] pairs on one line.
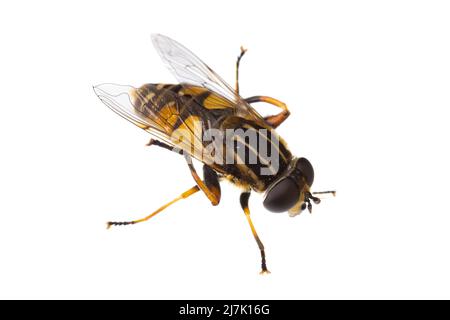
[[245, 151]]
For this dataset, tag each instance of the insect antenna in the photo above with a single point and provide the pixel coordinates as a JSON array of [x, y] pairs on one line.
[[333, 192]]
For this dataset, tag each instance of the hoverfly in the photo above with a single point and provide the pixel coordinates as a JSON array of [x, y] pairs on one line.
[[180, 118]]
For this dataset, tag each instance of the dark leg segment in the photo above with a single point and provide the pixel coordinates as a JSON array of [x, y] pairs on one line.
[[238, 61], [211, 181], [161, 144]]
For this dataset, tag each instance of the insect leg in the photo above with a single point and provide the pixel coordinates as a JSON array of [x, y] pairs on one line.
[[158, 143], [244, 204], [275, 120], [184, 195], [212, 182], [243, 51], [211, 186]]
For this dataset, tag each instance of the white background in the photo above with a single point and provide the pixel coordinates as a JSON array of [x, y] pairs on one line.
[[368, 86]]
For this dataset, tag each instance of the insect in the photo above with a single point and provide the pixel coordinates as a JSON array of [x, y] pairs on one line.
[[246, 149]]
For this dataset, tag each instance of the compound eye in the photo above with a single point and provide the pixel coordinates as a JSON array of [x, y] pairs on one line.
[[306, 169], [282, 196]]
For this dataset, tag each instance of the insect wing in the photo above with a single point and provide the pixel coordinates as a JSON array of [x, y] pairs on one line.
[[131, 104], [119, 98], [189, 69]]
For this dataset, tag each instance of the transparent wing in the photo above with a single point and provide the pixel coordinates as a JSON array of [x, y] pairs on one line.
[[127, 102], [189, 69]]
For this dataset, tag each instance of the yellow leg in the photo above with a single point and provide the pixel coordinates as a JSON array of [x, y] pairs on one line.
[[210, 186], [277, 119], [244, 203], [269, 100], [184, 195]]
